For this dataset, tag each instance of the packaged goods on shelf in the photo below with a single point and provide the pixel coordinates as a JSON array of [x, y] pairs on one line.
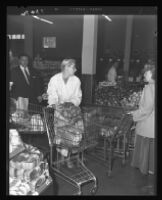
[[28, 170], [31, 181]]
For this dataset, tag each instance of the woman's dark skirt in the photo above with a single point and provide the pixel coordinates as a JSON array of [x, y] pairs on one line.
[[143, 155]]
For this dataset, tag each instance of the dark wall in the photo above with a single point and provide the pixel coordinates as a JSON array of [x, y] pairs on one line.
[[68, 32], [67, 29], [114, 34], [144, 28], [111, 35], [111, 41], [15, 26]]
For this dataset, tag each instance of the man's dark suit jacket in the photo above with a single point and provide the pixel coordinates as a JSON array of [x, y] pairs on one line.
[[20, 87]]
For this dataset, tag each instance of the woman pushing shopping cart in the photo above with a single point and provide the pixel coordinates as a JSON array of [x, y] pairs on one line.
[[65, 128]]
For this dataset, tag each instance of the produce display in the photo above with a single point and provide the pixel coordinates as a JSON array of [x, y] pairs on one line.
[[28, 171], [68, 124], [126, 96]]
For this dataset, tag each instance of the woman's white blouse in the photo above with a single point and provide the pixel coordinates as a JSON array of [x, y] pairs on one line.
[[59, 92]]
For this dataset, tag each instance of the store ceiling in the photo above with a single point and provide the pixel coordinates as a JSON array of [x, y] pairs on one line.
[[15, 23]]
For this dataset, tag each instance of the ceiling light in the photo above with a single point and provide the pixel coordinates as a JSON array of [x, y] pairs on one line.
[[41, 19], [47, 21], [36, 17], [108, 18]]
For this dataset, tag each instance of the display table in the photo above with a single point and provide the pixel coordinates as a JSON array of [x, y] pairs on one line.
[[126, 95]]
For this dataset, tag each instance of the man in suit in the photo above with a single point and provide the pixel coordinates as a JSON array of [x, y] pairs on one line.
[[26, 82]]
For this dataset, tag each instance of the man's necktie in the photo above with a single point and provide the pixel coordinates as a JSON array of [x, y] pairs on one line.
[[27, 77]]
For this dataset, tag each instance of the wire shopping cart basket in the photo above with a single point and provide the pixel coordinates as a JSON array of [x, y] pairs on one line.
[[28, 120], [68, 137], [108, 129]]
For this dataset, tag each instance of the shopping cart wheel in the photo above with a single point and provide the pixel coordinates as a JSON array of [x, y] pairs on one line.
[[94, 190]]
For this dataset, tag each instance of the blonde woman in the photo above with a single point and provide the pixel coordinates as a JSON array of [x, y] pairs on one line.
[[65, 87]]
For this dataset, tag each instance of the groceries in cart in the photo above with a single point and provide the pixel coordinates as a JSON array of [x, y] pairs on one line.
[[68, 124]]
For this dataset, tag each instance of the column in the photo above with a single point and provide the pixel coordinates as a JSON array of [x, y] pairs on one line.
[[128, 40], [28, 31], [89, 49]]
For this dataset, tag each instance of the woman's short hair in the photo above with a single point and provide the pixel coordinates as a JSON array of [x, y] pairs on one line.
[[68, 63], [150, 67]]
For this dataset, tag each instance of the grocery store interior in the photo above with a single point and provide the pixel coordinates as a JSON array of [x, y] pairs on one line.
[[100, 163]]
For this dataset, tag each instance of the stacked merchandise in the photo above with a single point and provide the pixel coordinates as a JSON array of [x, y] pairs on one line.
[[68, 124], [28, 171], [126, 96]]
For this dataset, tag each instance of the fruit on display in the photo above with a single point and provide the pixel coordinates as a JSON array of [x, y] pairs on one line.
[[132, 100], [123, 95]]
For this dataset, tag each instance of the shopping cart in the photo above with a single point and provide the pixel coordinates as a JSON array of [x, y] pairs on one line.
[[30, 121], [110, 132], [79, 174]]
